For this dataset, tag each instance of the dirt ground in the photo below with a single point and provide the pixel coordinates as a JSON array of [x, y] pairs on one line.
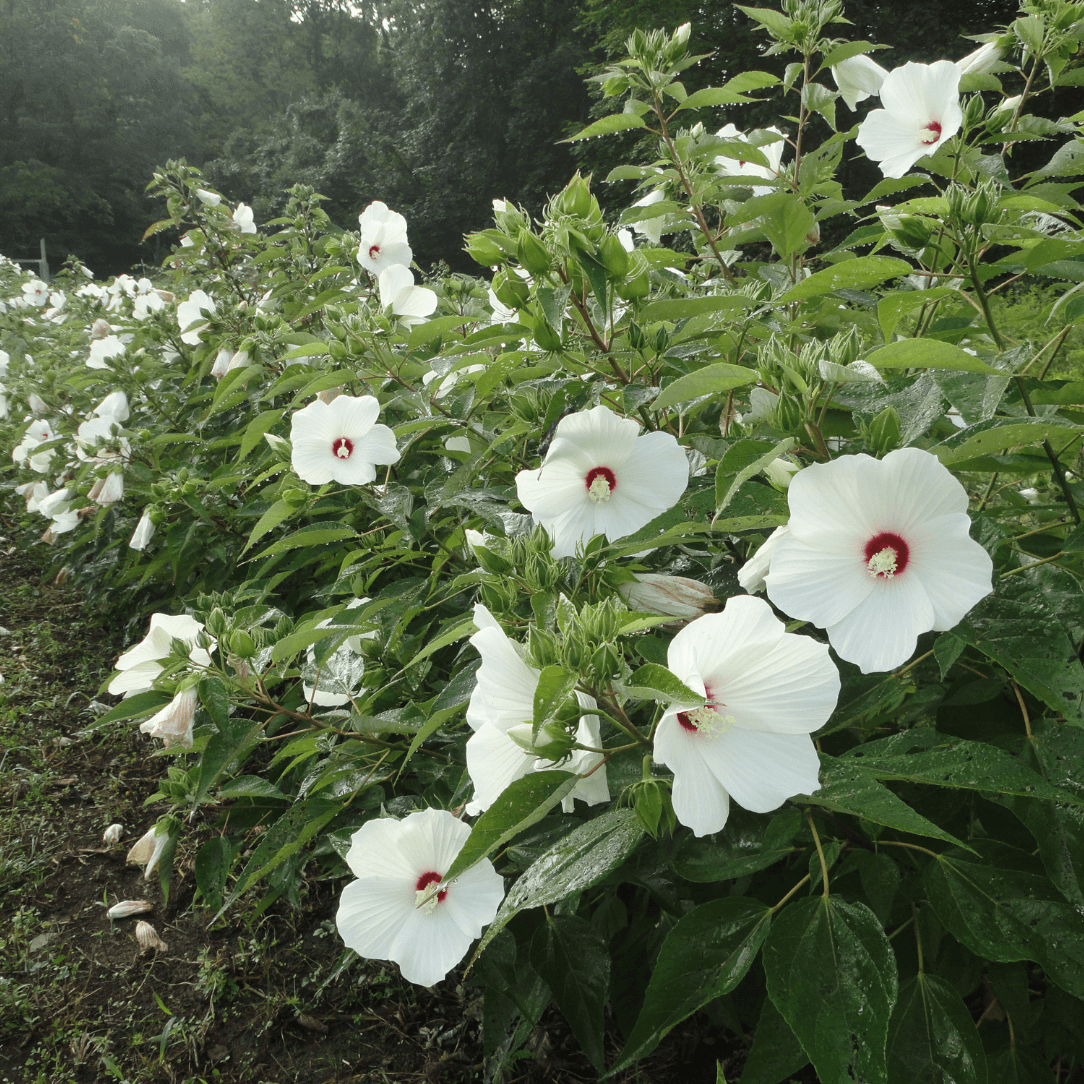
[[260, 1000]]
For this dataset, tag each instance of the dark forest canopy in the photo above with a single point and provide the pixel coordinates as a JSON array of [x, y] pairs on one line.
[[434, 107]]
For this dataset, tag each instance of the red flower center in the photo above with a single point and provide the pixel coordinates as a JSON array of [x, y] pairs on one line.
[[428, 879], [600, 483], [709, 719], [374, 252], [887, 555], [931, 133], [342, 448]]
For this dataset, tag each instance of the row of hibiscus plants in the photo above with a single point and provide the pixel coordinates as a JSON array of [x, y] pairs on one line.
[[692, 612]]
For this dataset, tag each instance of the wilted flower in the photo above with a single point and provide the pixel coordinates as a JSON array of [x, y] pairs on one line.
[[877, 552], [766, 691], [173, 723], [141, 664], [501, 709], [147, 851], [670, 596], [921, 111], [243, 218], [33, 493], [340, 441], [190, 316], [143, 533], [212, 199], [112, 834], [148, 938], [858, 78], [127, 908], [391, 912], [600, 476], [412, 304], [107, 490], [383, 239]]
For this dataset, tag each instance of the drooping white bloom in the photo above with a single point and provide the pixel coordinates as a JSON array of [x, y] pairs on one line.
[[147, 851], [984, 59], [56, 503], [671, 596], [501, 705], [140, 665], [37, 404], [222, 363], [114, 405], [102, 349], [143, 533], [767, 690], [212, 199], [773, 152], [173, 723], [877, 553], [111, 489], [600, 476], [33, 493], [858, 78], [340, 441], [37, 432], [190, 316], [383, 239], [244, 219], [780, 471], [921, 111], [412, 304], [391, 911]]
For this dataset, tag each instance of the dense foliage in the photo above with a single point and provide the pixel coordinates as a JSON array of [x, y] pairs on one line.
[[434, 556]]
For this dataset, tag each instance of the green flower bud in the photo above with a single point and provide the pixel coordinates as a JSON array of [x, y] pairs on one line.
[[533, 254], [511, 290], [614, 256], [483, 250], [576, 199], [242, 645], [216, 623], [788, 413], [883, 433]]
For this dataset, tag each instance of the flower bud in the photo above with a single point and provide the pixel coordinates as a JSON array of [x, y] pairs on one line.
[[576, 199], [614, 257], [884, 431], [483, 250], [671, 596], [779, 472], [533, 254], [551, 742], [681, 35], [511, 290], [788, 413], [982, 60], [242, 645], [216, 623]]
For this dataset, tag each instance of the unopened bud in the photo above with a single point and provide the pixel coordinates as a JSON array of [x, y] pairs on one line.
[[671, 596]]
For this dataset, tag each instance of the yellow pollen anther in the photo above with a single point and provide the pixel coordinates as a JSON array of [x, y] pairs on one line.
[[928, 135], [883, 563], [599, 489], [709, 721], [430, 904]]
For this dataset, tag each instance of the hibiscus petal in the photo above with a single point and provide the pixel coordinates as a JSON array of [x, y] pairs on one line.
[[761, 770], [494, 762], [955, 571], [815, 584], [353, 415], [880, 633], [700, 800]]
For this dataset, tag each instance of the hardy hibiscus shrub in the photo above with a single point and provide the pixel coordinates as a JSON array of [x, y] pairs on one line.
[[457, 586]]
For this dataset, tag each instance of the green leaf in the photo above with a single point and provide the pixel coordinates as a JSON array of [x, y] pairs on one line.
[[924, 756], [845, 51], [1002, 906], [1018, 628], [894, 306], [138, 704], [858, 274], [655, 682], [212, 868], [315, 534], [932, 1037], [748, 845], [684, 308], [523, 803], [555, 685], [927, 354], [704, 956], [832, 974], [711, 380], [571, 956], [847, 787], [775, 1053], [215, 698], [740, 462], [732, 92], [1058, 827], [586, 855], [615, 122], [784, 218], [255, 430], [279, 511], [998, 435]]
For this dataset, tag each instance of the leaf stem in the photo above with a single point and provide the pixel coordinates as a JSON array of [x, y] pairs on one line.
[[790, 893], [820, 852]]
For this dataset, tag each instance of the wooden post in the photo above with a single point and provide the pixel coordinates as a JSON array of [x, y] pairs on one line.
[[43, 263]]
